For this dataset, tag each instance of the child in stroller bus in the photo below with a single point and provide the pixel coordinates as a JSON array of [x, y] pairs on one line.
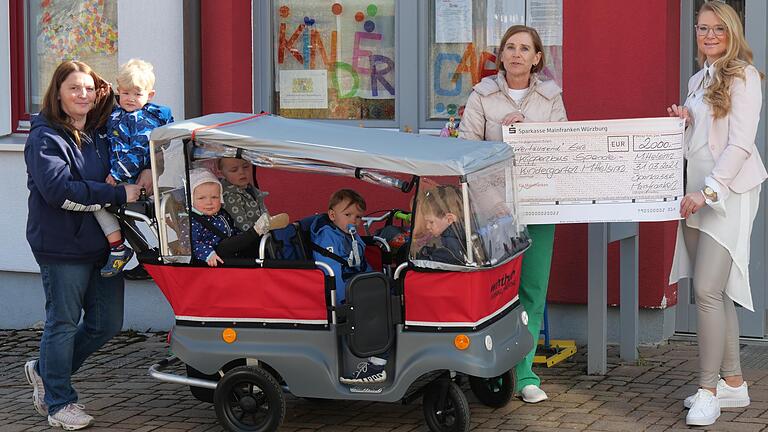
[[442, 210], [214, 234], [342, 248], [241, 199]]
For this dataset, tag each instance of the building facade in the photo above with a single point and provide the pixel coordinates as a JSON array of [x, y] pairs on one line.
[[395, 64]]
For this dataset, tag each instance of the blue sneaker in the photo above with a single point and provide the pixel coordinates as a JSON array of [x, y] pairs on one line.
[[366, 373], [116, 261]]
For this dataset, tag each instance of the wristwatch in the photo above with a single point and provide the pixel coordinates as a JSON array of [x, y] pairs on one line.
[[709, 194]]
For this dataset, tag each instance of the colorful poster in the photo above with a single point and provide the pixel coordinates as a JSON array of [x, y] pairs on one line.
[[84, 30]]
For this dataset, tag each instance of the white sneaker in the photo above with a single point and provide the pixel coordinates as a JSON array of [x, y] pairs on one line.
[[71, 417], [705, 409], [727, 396], [38, 392], [533, 394]]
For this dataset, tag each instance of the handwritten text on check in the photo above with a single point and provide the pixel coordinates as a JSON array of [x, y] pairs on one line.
[[598, 171]]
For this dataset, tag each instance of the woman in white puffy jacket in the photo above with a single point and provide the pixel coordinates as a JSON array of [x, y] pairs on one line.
[[517, 94]]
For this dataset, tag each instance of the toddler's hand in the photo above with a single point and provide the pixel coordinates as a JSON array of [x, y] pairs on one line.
[[110, 180], [214, 260], [132, 192]]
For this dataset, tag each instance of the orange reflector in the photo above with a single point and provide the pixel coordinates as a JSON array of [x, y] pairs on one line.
[[461, 342], [229, 335]]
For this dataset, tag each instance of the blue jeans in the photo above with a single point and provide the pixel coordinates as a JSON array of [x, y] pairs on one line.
[[71, 289]]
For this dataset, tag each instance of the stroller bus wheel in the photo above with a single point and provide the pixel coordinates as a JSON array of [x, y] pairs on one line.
[[445, 407], [249, 399], [493, 392]]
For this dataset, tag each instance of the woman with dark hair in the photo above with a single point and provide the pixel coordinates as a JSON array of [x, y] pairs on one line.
[[67, 158], [518, 94], [724, 174]]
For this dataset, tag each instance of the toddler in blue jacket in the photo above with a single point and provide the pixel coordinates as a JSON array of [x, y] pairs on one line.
[[128, 130], [336, 232]]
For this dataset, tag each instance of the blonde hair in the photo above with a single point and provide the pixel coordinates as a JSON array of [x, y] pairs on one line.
[[136, 73], [443, 199], [731, 65]]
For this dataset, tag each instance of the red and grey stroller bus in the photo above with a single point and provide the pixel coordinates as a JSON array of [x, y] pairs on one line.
[[442, 308]]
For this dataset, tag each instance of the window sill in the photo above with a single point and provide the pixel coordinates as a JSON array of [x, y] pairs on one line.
[[13, 142]]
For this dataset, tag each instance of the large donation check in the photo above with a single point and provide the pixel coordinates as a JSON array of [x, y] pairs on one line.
[[598, 171]]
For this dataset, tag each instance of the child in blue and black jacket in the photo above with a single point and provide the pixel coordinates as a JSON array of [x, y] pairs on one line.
[[128, 130], [336, 232]]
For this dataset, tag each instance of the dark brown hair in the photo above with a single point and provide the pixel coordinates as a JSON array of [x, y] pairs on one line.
[[97, 116], [538, 46], [342, 195]]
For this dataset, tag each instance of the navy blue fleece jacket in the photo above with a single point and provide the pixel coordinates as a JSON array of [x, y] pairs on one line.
[[66, 184]]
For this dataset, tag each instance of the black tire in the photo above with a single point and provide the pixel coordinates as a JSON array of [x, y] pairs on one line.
[[492, 392], [249, 399], [200, 393], [445, 407]]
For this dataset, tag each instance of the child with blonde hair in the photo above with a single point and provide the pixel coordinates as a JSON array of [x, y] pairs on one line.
[[442, 211], [129, 127]]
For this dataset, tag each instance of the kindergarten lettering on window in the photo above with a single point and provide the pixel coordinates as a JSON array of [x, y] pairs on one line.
[[335, 60]]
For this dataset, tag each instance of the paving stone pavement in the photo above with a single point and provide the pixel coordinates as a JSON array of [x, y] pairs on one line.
[[115, 387]]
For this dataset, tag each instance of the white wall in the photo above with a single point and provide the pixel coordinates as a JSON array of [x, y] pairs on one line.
[[5, 69], [15, 254], [154, 31]]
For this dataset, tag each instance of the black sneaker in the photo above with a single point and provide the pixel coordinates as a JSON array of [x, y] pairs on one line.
[[136, 273], [366, 373]]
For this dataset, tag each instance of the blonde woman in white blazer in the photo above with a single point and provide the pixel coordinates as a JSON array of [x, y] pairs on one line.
[[724, 173]]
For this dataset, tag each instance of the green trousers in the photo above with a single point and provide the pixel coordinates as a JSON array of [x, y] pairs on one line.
[[534, 279]]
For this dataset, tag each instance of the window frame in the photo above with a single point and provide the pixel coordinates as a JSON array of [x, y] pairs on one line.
[[19, 115], [411, 60]]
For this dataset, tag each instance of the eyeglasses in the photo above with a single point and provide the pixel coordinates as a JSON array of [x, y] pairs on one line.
[[703, 30]]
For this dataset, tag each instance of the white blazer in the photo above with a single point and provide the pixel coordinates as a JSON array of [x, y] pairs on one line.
[[732, 138]]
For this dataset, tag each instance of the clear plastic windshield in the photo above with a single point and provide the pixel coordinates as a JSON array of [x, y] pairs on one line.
[[461, 226], [171, 200]]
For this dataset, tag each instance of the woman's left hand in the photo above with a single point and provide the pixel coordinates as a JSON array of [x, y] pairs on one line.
[[515, 117], [691, 203]]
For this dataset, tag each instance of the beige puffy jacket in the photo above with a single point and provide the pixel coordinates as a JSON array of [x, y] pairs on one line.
[[489, 103]]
